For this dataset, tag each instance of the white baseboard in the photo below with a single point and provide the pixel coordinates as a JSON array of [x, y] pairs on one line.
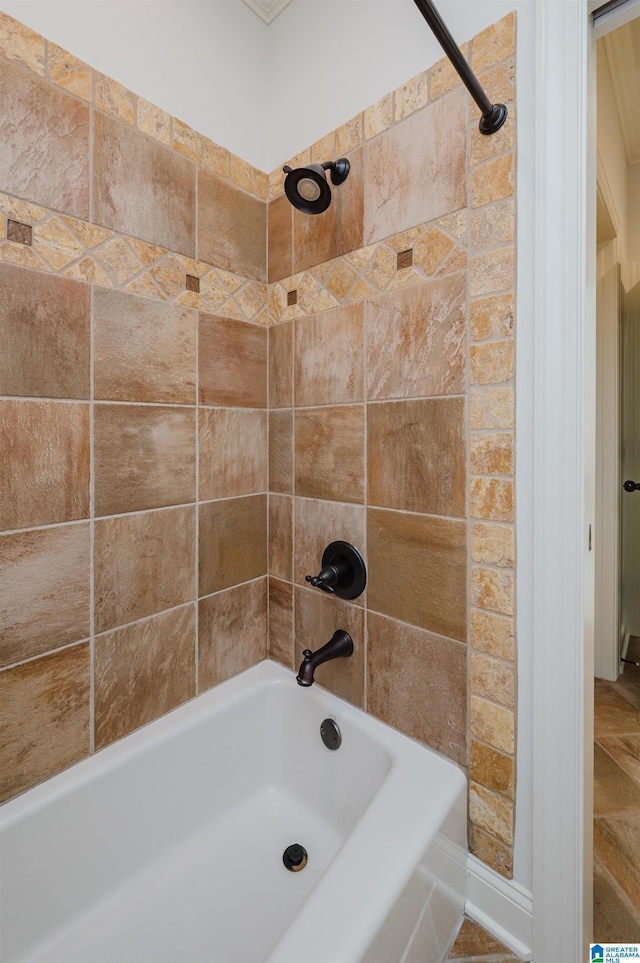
[[502, 907]]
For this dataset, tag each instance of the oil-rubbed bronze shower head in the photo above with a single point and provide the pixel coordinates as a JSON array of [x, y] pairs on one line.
[[307, 187]]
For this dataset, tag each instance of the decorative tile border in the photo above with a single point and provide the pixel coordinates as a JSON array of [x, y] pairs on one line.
[[76, 249], [24, 46], [438, 247]]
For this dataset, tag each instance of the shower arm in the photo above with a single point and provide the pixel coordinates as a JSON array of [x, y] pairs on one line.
[[493, 115]]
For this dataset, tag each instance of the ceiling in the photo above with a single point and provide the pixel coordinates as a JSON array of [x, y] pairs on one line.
[[623, 54], [267, 10]]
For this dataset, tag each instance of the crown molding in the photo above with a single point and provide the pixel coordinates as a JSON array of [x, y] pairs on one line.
[[267, 10]]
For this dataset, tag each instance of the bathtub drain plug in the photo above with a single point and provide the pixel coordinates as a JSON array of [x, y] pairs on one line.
[[295, 857]]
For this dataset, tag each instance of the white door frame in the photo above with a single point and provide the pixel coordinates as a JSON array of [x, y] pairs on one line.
[[564, 333]]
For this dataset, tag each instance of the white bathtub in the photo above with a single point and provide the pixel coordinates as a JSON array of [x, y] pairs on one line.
[[167, 846]]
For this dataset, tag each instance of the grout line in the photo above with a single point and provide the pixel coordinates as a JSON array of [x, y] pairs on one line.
[[44, 655]]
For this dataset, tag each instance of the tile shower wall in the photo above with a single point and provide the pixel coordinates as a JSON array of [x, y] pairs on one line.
[[133, 394], [391, 421], [138, 434]]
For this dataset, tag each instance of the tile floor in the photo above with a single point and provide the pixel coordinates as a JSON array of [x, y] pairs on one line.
[[616, 823], [475, 945]]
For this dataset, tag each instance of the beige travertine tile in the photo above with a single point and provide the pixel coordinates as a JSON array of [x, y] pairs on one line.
[[143, 563], [416, 340], [493, 679], [491, 851], [141, 187], [232, 362], [280, 238], [496, 43], [329, 357], [238, 613], [18, 42], [156, 446], [232, 542], [329, 453], [492, 408], [492, 633], [492, 317], [472, 941], [492, 498], [45, 707], [44, 330], [44, 470], [378, 117], [412, 96], [115, 99], [21, 254], [281, 536], [231, 227], [143, 671], [215, 158], [56, 244], [493, 226], [430, 181], [69, 72], [348, 136], [281, 450], [492, 454], [143, 351], [416, 456], [281, 622], [339, 229], [491, 768], [492, 272], [44, 591], [493, 724], [323, 149], [46, 156], [444, 75], [492, 590], [430, 250], [483, 147], [233, 452], [281, 366], [318, 523], [616, 840], [613, 790], [408, 668], [186, 140], [341, 279], [492, 812], [262, 184], [491, 362], [492, 182], [407, 552], [154, 121], [243, 173], [317, 617], [493, 544]]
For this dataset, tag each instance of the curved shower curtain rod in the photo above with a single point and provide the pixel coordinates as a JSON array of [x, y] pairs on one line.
[[493, 115]]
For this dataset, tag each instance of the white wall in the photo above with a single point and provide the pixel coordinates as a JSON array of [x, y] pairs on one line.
[[612, 156], [204, 62]]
